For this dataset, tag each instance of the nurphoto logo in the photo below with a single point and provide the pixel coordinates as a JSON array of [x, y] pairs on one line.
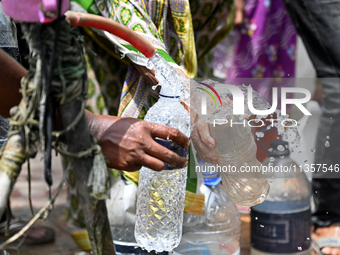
[[239, 101]]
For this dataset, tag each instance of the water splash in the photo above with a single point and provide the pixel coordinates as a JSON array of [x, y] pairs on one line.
[[259, 134], [280, 148]]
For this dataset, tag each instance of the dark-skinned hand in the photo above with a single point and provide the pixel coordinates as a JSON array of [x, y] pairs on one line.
[[129, 143]]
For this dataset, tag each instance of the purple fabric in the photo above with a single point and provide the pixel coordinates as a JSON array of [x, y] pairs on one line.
[[266, 47], [28, 10]]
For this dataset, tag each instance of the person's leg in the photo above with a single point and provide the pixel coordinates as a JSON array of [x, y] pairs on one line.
[[318, 23]]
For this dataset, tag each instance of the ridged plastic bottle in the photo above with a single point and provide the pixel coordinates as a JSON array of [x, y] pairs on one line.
[[241, 172], [281, 224], [161, 195], [217, 231]]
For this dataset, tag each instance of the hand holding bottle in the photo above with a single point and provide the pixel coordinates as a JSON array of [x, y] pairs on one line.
[[200, 135], [129, 143], [201, 138]]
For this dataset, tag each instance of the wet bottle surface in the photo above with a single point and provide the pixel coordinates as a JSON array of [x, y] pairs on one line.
[[122, 216], [236, 148], [160, 202], [281, 224]]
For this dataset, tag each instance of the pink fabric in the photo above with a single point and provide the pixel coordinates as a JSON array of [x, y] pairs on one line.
[[29, 10]]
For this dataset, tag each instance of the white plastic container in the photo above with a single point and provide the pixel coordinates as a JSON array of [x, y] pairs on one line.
[[281, 224], [217, 230]]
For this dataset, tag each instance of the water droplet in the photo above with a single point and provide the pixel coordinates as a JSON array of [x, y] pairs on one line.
[[282, 157], [326, 212], [291, 150], [271, 159], [270, 149], [168, 137], [299, 248], [280, 148], [308, 238], [313, 150], [331, 118], [263, 195], [305, 161], [262, 226], [327, 137], [327, 144], [300, 152], [259, 134], [316, 191]]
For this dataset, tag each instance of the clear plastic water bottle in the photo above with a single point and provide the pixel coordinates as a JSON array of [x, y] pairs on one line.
[[161, 195], [217, 230], [281, 224], [241, 172]]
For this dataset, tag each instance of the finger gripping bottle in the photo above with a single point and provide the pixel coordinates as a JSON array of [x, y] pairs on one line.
[[160, 201]]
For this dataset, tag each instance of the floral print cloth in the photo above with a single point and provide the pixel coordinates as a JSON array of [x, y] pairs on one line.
[[265, 47]]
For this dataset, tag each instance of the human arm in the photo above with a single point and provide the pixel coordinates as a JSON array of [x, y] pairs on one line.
[[127, 143], [11, 73]]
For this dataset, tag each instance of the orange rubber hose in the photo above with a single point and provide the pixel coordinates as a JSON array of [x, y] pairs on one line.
[[95, 21]]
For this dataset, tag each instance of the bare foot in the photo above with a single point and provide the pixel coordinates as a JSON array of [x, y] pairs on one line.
[[330, 231]]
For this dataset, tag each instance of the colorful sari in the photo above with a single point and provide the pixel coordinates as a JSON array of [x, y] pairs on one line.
[[263, 47]]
